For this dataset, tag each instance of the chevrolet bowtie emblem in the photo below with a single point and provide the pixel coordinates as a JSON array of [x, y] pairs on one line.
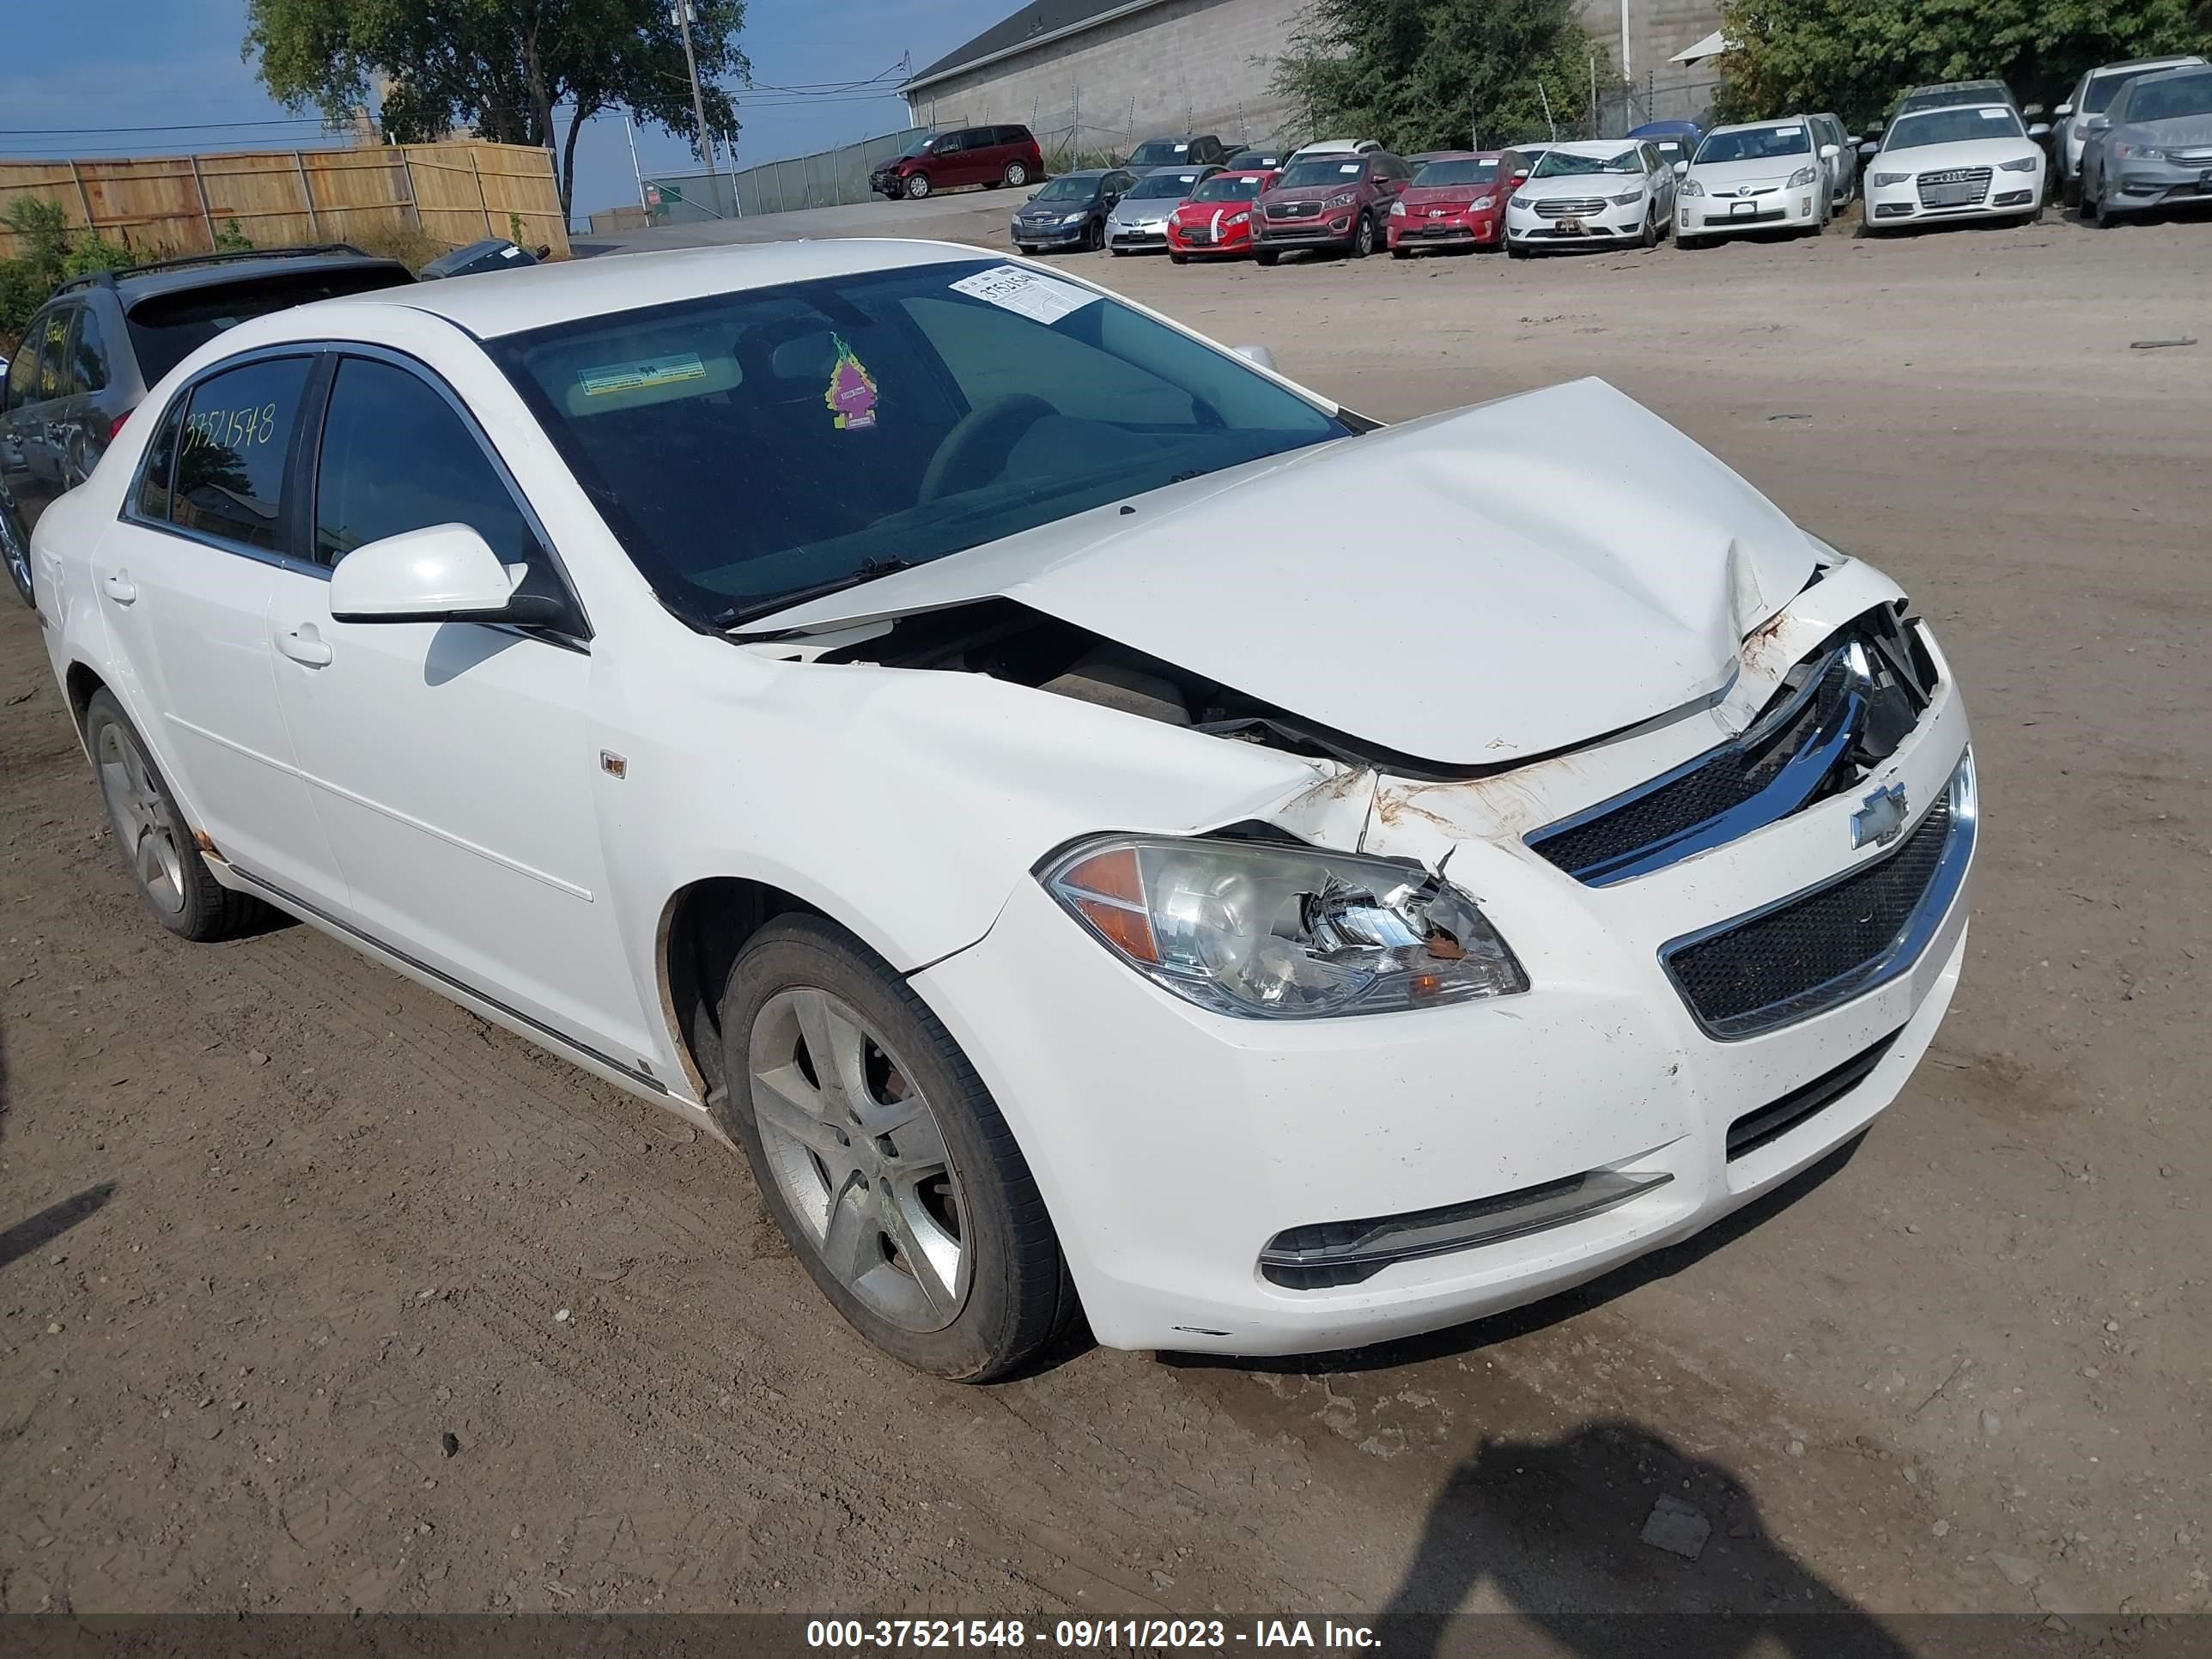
[[1880, 818]]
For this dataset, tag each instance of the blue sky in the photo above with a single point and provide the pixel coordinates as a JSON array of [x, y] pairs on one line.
[[135, 64]]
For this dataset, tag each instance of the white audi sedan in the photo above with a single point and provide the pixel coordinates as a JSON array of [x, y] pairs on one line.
[[1963, 161], [943, 729], [1768, 175], [1592, 193]]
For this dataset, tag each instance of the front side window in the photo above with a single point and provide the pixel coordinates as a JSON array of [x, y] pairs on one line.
[[232, 449], [753, 445], [1953, 126], [396, 457]]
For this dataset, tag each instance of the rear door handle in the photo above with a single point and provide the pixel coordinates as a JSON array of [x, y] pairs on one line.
[[304, 645], [120, 588]]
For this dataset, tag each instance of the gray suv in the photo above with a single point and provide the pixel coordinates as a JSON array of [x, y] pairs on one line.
[[100, 342]]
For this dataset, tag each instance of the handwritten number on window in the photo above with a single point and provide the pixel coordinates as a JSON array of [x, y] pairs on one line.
[[230, 429]]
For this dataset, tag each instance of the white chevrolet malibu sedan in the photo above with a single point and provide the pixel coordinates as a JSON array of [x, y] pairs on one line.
[[939, 727]]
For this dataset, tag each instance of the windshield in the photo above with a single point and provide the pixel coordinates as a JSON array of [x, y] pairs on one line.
[[2099, 92], [2171, 100], [1322, 170], [919, 143], [1168, 186], [1457, 172], [1564, 164], [1255, 158], [1952, 126], [1227, 188], [1160, 153], [750, 446], [1753, 144], [1072, 188]]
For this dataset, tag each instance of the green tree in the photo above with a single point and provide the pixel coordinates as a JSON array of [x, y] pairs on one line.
[[46, 252], [1433, 74], [1854, 57], [515, 71]]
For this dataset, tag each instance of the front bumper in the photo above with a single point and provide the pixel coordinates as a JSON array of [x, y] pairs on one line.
[[1612, 224], [2008, 195], [1056, 235], [2139, 185], [1200, 243], [1717, 215], [1174, 1146], [1122, 235], [1332, 229], [1453, 230]]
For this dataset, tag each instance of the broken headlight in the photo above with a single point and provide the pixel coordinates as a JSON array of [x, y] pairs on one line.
[[1266, 931]]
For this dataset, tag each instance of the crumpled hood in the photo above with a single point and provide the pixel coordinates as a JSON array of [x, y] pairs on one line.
[[1553, 567], [1579, 186]]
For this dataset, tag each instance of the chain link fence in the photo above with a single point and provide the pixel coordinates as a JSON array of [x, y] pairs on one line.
[[1613, 111]]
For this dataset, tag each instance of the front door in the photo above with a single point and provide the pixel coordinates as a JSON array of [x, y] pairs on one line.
[[452, 763], [184, 580]]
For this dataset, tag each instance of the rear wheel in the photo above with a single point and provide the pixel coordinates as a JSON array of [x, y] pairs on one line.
[[883, 1158], [174, 879], [15, 552], [917, 187], [1015, 174]]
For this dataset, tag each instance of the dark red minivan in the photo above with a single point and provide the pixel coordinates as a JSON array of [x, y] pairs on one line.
[[964, 155]]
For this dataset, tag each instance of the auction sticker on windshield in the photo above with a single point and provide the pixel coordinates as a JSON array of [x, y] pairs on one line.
[[1030, 293], [642, 376]]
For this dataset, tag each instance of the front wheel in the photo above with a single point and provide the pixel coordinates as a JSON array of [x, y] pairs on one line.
[[15, 552], [1515, 250], [1686, 242], [883, 1159], [1363, 238], [1178, 259], [1015, 174], [2069, 192], [1402, 253], [1650, 229], [917, 187], [1266, 258], [174, 880], [1094, 237]]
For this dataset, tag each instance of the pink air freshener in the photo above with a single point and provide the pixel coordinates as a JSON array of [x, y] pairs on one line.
[[852, 393]]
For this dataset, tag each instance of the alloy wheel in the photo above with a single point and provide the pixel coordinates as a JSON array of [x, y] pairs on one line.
[[860, 1159], [141, 820]]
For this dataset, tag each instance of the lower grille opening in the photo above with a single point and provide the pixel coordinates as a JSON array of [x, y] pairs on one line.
[[1334, 1253], [1770, 1122]]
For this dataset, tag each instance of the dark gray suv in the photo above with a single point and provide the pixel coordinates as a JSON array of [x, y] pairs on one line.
[[100, 342]]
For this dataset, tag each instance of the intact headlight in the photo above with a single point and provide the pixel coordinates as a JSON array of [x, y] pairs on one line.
[[1344, 200], [1630, 200], [2131, 153], [1265, 932], [1689, 187], [1886, 179], [1073, 218], [1397, 210], [1802, 177], [1234, 219], [1482, 205]]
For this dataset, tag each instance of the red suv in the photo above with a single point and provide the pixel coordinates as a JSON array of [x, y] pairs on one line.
[[1336, 201], [965, 155]]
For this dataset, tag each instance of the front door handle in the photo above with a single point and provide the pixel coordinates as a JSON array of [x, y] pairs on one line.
[[304, 645], [120, 588]]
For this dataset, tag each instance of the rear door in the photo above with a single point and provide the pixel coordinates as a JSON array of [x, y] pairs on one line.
[[452, 763], [48, 390], [17, 427], [184, 580]]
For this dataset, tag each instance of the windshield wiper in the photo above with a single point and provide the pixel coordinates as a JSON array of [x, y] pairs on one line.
[[866, 571]]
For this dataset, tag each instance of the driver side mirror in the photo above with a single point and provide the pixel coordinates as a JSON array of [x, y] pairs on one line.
[[2096, 122], [2064, 111], [1869, 148], [446, 572], [2041, 129], [1829, 152], [1680, 167]]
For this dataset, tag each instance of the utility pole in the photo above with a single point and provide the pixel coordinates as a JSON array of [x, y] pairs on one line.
[[686, 13]]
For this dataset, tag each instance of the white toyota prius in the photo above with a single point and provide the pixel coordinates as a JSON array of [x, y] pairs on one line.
[[951, 732]]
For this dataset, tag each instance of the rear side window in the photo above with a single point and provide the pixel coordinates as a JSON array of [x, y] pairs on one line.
[[395, 458], [161, 458], [167, 328], [54, 377], [23, 371], [231, 453], [89, 354]]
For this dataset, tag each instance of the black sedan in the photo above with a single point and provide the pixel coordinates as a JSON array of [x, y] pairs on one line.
[[1070, 211]]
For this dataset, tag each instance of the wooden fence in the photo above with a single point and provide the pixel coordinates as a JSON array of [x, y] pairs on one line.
[[170, 204]]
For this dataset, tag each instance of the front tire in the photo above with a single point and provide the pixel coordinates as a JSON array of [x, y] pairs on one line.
[[1266, 258], [883, 1159], [1362, 239], [1515, 250], [1650, 229], [173, 879], [1178, 259], [918, 187]]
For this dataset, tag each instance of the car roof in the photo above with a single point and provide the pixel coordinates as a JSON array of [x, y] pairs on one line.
[[177, 276], [1947, 109], [501, 302], [1459, 155], [2172, 60], [1595, 146], [2178, 72], [1756, 126], [1664, 129]]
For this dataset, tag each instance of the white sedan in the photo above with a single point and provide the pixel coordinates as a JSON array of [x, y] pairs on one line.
[[1592, 193], [1965, 162], [890, 706], [1768, 175]]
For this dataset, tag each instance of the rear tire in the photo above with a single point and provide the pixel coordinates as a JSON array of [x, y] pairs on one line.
[[898, 1185], [174, 880], [1015, 175]]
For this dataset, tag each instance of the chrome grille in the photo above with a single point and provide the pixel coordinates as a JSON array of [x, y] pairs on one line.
[[1955, 187], [1578, 207], [1840, 712], [1293, 210]]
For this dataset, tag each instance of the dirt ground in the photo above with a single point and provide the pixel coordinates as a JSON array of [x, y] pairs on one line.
[[278, 1222]]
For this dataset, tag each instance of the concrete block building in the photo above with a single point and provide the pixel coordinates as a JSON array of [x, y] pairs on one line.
[[1102, 74]]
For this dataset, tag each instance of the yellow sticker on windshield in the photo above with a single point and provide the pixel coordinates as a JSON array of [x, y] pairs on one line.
[[852, 393], [645, 375]]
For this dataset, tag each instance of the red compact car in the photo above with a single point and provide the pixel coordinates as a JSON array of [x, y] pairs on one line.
[[1455, 201], [1217, 220]]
